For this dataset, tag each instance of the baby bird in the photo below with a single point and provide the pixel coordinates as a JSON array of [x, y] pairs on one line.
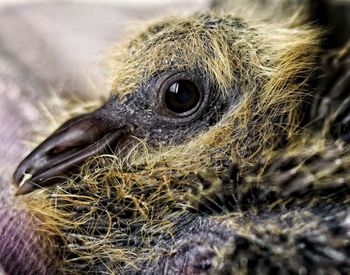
[[208, 157]]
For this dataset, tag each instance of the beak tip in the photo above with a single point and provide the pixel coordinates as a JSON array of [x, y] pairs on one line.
[[25, 188], [21, 175], [19, 178]]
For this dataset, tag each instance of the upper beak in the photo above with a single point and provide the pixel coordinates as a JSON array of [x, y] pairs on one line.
[[72, 143]]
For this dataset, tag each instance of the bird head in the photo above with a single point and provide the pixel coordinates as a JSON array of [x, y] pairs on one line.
[[206, 87], [189, 97]]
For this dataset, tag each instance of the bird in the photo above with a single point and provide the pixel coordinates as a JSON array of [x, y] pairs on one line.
[[223, 149]]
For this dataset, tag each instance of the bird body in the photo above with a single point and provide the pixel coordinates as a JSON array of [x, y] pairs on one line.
[[203, 160]]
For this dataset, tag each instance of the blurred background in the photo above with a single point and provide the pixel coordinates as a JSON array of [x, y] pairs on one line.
[[62, 40]]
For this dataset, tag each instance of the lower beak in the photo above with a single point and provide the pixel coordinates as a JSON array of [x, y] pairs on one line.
[[61, 153]]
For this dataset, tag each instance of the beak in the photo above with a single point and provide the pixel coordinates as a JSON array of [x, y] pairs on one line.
[[61, 153]]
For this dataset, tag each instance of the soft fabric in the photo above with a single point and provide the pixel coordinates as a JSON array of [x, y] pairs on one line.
[[22, 249]]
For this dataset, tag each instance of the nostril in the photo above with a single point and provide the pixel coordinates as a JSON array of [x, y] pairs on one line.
[[59, 149], [56, 150]]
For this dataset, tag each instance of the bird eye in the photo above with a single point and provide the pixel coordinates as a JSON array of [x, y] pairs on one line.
[[182, 96]]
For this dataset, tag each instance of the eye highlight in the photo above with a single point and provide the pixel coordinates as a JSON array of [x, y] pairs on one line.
[[182, 96]]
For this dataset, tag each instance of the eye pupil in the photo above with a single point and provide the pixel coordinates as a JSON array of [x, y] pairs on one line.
[[182, 96]]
